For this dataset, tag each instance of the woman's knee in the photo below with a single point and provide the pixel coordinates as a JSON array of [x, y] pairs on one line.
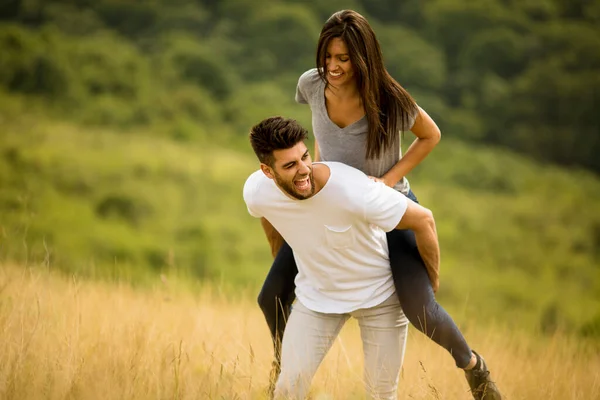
[[273, 296], [279, 284], [423, 314], [269, 296], [262, 299]]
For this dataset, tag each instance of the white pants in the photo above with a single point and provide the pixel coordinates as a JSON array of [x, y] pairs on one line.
[[309, 335]]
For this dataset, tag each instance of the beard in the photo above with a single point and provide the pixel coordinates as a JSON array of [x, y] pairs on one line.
[[290, 188]]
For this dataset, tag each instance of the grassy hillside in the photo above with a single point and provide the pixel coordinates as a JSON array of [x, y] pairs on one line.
[[520, 241], [67, 338], [121, 205]]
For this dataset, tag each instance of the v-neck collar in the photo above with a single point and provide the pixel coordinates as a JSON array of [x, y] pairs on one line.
[[326, 112]]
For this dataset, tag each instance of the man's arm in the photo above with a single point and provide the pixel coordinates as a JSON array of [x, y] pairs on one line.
[[420, 220], [274, 238]]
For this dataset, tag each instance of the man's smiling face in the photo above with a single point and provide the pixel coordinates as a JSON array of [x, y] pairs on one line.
[[292, 171]]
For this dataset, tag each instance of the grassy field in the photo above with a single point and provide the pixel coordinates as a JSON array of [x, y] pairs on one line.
[[115, 205], [66, 338]]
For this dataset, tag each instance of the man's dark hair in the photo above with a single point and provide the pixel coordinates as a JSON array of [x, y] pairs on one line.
[[275, 133]]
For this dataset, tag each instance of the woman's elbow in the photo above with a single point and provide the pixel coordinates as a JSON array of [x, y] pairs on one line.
[[436, 135]]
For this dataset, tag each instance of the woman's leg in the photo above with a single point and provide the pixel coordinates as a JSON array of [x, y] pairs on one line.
[[422, 310], [275, 298], [277, 293], [417, 298]]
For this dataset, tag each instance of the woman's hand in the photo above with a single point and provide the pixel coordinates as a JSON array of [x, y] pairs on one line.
[[428, 135]]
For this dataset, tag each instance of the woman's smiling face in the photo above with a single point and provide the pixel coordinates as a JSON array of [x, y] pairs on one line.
[[339, 67]]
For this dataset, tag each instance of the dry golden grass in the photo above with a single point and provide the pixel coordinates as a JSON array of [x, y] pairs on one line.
[[64, 339]]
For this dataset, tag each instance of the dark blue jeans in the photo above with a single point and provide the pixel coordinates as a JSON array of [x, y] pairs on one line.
[[412, 286]]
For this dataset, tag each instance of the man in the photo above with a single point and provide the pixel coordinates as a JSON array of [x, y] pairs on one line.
[[335, 219]]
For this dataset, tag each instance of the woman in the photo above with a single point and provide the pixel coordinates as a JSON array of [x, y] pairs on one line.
[[358, 110]]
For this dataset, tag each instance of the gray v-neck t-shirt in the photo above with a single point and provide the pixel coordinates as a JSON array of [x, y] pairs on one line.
[[346, 145]]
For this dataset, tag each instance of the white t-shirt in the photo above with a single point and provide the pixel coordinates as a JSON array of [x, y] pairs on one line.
[[338, 236]]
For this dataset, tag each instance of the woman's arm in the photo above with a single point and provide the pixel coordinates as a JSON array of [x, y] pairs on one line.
[[317, 155], [428, 135]]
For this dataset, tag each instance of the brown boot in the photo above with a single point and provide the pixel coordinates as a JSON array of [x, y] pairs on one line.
[[482, 386]]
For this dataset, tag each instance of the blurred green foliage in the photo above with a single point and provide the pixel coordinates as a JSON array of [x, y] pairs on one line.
[[123, 146], [521, 74], [519, 240]]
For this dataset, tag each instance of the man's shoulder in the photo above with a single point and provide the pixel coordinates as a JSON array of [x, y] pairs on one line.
[[348, 184], [256, 177], [345, 170], [254, 181]]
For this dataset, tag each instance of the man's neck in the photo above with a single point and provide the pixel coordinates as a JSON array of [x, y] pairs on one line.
[[321, 174]]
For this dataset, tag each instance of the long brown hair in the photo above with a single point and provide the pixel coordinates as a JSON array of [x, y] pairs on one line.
[[384, 100]]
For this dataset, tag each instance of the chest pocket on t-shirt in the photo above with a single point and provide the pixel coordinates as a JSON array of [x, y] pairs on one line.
[[339, 237]]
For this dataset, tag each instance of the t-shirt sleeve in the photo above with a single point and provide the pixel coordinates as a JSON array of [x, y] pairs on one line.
[[384, 206], [250, 190], [410, 118], [300, 92], [306, 84]]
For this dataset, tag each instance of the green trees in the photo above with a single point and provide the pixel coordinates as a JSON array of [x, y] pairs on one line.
[[556, 98], [155, 97], [521, 74], [525, 73], [29, 65]]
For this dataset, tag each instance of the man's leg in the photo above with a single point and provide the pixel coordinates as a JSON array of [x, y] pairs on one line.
[[307, 339], [275, 298], [383, 330]]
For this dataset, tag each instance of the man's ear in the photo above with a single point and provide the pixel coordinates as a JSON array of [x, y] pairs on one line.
[[267, 170]]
